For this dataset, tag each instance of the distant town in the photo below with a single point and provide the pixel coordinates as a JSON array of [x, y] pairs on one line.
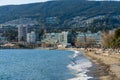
[[25, 36]]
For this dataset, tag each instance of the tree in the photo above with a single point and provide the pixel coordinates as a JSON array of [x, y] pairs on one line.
[[111, 40], [106, 39], [117, 33], [115, 43]]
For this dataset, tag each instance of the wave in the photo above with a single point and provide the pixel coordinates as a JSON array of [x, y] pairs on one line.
[[79, 66]]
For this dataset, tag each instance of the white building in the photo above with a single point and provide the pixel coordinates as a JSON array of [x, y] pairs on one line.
[[64, 38], [56, 38], [31, 37], [28, 37]]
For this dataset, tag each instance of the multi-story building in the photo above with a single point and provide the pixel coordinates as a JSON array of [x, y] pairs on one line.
[[31, 37], [56, 38], [28, 37], [22, 32], [88, 36], [64, 38]]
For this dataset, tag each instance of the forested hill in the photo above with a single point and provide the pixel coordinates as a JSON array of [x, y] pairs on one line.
[[63, 9]]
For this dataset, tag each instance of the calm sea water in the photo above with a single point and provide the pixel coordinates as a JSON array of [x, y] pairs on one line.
[[34, 65], [41, 65]]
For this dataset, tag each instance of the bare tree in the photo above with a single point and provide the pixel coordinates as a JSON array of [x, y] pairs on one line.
[[106, 39]]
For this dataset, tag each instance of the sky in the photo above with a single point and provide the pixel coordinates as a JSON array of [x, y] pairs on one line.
[[14, 2]]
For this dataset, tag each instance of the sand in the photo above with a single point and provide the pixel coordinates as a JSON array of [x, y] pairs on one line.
[[107, 65]]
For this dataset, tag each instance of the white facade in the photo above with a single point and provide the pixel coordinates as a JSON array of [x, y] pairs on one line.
[[64, 38], [59, 38], [28, 38], [31, 37]]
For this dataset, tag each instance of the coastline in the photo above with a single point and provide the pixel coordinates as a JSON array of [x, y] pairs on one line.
[[92, 71], [98, 70], [105, 66], [79, 65]]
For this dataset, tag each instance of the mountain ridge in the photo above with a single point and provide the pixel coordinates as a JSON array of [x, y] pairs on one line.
[[63, 9]]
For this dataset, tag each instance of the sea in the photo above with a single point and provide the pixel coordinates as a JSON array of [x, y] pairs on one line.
[[35, 64]]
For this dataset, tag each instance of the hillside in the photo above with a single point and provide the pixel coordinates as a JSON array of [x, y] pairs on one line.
[[63, 10]]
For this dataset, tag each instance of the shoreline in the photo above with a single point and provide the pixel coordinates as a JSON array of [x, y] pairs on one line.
[[98, 70], [92, 69], [80, 65], [107, 67]]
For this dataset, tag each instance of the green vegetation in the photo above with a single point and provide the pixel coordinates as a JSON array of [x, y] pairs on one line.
[[107, 23], [115, 43], [63, 9]]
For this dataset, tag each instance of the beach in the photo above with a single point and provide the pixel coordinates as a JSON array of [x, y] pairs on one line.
[[90, 73], [79, 64], [107, 65]]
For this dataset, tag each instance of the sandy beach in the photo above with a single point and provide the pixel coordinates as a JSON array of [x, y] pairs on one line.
[[107, 65]]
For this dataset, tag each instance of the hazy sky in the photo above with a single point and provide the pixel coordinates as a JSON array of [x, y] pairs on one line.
[[8, 2]]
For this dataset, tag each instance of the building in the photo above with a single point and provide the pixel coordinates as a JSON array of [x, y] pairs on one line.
[[28, 37], [3, 40], [56, 38], [22, 32], [31, 37], [88, 37], [64, 38]]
